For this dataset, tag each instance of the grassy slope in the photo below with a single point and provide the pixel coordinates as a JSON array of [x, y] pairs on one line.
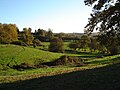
[[99, 73], [29, 55], [102, 78], [14, 75], [24, 54]]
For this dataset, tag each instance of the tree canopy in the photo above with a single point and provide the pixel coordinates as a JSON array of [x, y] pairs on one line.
[[27, 36], [56, 45], [8, 33], [105, 16]]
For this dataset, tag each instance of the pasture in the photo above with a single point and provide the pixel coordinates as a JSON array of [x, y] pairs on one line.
[[102, 73]]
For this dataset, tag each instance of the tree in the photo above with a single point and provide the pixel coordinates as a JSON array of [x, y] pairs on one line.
[[49, 35], [8, 33], [60, 35], [101, 48], [85, 41], [105, 16], [56, 45], [27, 36], [106, 19], [36, 42], [74, 45], [93, 44], [41, 32], [110, 41]]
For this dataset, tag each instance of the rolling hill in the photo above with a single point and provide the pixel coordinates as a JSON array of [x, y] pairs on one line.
[[20, 54]]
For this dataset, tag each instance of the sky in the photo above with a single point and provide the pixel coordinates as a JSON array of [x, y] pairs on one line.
[[68, 16]]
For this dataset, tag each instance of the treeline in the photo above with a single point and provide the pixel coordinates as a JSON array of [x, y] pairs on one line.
[[105, 43], [9, 33], [101, 43], [48, 35]]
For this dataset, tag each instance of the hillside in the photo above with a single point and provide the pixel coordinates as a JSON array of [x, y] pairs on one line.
[[102, 78], [98, 73], [22, 54]]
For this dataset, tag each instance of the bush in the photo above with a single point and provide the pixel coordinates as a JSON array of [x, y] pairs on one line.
[[56, 45], [37, 42], [74, 45], [115, 50], [65, 60], [69, 60]]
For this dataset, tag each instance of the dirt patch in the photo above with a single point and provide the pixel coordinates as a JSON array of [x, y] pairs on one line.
[[65, 60]]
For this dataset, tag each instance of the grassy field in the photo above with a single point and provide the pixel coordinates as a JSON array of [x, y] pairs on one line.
[[100, 75], [24, 54], [30, 55], [96, 74], [45, 45]]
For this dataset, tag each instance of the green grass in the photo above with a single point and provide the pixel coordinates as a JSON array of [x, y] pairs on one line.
[[24, 54], [13, 72], [102, 73], [30, 55], [105, 61], [45, 45], [101, 78], [66, 45], [11, 75]]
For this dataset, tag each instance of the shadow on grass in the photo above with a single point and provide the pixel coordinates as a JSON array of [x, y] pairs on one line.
[[84, 54], [87, 57], [105, 78], [107, 61]]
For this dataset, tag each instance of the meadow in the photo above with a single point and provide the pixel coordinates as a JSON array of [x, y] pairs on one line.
[[97, 73], [24, 54]]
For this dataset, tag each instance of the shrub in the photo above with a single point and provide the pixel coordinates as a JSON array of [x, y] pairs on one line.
[[37, 42], [115, 50], [74, 45], [67, 60], [56, 45], [64, 60]]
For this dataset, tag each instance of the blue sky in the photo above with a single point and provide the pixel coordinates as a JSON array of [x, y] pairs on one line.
[[59, 15]]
